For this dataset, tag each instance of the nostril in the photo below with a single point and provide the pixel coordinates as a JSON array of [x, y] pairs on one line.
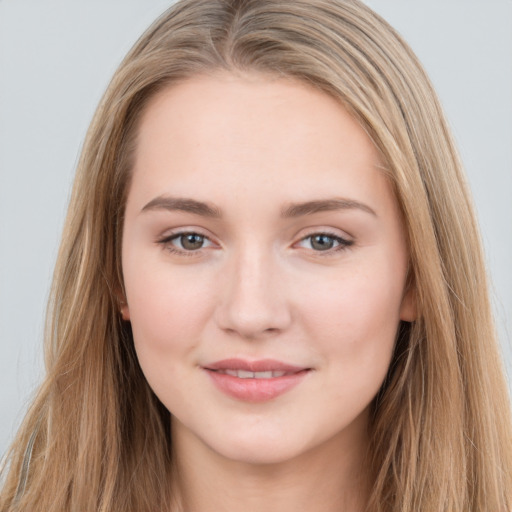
[[251, 308]]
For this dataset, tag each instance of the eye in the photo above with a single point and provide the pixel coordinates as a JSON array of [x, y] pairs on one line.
[[185, 243], [326, 242]]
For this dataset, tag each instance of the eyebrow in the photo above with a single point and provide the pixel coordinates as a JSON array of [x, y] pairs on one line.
[[185, 205], [323, 205], [291, 210]]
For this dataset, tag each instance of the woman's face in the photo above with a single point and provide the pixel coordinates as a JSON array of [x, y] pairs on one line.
[[264, 264]]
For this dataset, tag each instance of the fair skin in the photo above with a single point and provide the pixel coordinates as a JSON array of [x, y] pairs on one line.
[[319, 289]]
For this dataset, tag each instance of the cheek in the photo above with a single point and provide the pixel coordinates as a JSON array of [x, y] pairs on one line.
[[354, 319], [354, 334], [167, 312]]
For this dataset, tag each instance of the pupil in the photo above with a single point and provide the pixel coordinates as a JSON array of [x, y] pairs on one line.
[[192, 241], [322, 242]]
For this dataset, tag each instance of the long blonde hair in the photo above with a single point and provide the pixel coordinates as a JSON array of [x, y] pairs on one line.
[[97, 439]]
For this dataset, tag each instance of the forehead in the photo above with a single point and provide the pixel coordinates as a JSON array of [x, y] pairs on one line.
[[214, 134], [249, 109]]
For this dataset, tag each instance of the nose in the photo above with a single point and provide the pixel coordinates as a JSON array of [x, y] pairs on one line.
[[252, 296]]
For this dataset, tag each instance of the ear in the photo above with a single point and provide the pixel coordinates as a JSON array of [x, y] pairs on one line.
[[125, 310], [408, 307], [122, 304]]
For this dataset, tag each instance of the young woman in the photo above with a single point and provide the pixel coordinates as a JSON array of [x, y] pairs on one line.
[[270, 292]]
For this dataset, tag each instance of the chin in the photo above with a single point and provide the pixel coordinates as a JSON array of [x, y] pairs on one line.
[[261, 455], [274, 448]]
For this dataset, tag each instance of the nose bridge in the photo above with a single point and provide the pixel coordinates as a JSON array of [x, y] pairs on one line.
[[253, 301]]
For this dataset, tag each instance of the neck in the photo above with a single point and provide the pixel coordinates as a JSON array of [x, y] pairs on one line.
[[327, 478]]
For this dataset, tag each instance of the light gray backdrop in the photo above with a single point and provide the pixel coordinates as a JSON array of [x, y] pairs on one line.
[[56, 58]]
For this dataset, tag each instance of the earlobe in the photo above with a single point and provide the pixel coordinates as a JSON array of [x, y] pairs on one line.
[[408, 308], [125, 311], [122, 305]]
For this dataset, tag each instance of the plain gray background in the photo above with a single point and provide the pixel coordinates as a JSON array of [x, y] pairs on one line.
[[56, 58]]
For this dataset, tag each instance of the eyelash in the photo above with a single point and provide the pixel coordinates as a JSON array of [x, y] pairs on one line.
[[166, 243]]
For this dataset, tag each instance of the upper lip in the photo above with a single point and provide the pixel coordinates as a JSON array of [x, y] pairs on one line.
[[262, 365]]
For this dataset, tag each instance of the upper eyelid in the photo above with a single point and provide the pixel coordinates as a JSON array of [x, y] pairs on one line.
[[327, 233], [170, 233], [199, 231]]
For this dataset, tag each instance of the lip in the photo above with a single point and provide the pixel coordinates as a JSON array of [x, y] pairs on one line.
[[255, 389], [261, 365]]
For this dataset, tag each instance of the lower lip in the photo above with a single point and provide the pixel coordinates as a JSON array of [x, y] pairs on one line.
[[256, 390]]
